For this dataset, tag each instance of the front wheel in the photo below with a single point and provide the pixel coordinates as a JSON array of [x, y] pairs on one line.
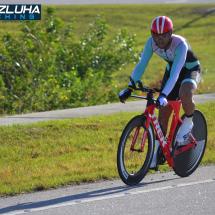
[[132, 164]]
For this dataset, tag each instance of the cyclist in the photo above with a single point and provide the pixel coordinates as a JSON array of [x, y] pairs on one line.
[[182, 75]]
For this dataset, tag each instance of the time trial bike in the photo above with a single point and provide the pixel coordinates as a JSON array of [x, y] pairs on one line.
[[136, 145]]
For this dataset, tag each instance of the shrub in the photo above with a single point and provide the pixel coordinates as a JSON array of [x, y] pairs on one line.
[[44, 68]]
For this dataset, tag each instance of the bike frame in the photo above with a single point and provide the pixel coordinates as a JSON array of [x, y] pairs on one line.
[[166, 144]]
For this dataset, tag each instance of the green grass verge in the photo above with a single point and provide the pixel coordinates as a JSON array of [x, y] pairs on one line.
[[71, 151], [195, 22]]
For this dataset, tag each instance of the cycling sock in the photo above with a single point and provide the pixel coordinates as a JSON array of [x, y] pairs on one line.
[[154, 159], [185, 129], [157, 144], [188, 119]]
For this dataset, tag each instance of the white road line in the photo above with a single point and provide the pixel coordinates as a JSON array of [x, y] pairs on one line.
[[107, 197]]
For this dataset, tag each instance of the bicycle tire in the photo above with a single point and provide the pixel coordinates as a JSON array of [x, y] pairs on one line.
[[188, 161], [134, 170]]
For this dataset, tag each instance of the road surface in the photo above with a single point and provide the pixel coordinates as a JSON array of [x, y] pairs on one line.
[[163, 193]]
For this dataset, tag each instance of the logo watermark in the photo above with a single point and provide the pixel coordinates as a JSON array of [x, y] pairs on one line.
[[20, 12]]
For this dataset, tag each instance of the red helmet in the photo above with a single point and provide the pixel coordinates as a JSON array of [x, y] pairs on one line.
[[161, 25]]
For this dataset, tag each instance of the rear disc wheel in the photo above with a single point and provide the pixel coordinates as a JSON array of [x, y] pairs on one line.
[[186, 162]]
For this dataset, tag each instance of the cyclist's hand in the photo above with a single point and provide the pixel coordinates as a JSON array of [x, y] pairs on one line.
[[123, 95], [161, 100]]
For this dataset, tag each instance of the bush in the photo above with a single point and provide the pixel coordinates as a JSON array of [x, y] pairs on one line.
[[44, 68]]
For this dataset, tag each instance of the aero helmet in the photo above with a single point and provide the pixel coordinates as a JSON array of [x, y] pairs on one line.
[[161, 25]]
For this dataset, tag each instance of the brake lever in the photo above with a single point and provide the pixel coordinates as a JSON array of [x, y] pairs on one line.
[[157, 90], [157, 104], [133, 83], [140, 85]]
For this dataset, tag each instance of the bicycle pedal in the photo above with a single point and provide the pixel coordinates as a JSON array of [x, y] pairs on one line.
[[174, 149], [186, 142], [160, 157]]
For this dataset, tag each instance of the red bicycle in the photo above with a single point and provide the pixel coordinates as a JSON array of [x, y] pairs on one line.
[[136, 145]]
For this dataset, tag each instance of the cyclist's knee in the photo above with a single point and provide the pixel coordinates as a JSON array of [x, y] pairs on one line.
[[186, 92]]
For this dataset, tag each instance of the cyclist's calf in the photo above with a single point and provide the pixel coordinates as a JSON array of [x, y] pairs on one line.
[[163, 116], [186, 95]]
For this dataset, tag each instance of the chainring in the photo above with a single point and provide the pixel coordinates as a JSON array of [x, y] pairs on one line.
[[160, 157]]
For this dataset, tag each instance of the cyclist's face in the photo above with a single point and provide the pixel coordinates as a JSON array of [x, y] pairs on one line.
[[162, 39]]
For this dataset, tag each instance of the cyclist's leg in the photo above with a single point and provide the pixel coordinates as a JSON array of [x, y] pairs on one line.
[[188, 87], [163, 118], [186, 92], [165, 112]]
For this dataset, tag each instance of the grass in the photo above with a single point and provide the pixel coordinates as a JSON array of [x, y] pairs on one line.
[[71, 151], [195, 22]]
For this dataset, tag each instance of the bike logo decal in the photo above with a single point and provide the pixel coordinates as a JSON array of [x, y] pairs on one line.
[[158, 130]]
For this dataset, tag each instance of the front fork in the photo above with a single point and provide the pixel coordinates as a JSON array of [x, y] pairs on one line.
[[145, 133], [135, 138]]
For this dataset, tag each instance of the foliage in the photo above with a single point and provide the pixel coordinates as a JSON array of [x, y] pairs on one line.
[[45, 68]]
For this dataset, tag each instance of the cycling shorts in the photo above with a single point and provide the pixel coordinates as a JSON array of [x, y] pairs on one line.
[[186, 75]]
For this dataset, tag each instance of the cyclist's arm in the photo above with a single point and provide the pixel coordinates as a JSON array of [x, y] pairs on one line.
[[145, 57], [180, 58]]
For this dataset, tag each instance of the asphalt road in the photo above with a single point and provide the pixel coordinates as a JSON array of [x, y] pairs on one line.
[[79, 2], [163, 193]]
